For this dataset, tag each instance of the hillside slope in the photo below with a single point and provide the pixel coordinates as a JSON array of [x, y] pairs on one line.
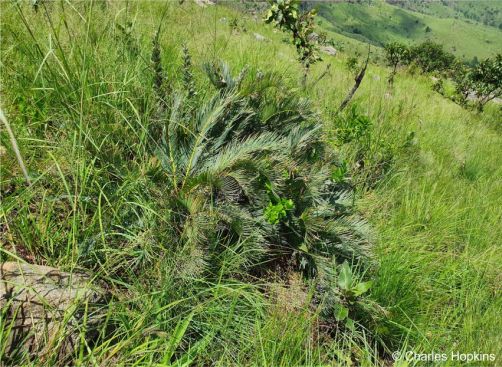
[[78, 93], [379, 22], [487, 12]]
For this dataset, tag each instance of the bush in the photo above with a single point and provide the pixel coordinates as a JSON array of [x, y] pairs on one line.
[[346, 303], [248, 166], [483, 80], [372, 149], [431, 56], [396, 53], [351, 126], [486, 79]]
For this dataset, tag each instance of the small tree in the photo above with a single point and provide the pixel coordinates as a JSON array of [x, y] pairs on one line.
[[463, 83], [431, 56], [486, 79], [395, 54], [285, 15], [483, 80]]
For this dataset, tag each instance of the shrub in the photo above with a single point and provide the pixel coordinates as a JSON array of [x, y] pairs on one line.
[[352, 64], [486, 79], [346, 303], [462, 81], [249, 166], [372, 149], [483, 80], [351, 126], [395, 54], [431, 56]]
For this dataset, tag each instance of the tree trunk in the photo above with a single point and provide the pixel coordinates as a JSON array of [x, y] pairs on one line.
[[358, 80]]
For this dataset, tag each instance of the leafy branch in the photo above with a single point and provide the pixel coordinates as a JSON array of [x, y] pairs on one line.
[[285, 15]]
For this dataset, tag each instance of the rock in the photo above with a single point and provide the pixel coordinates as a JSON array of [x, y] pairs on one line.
[[313, 37], [472, 96], [259, 37], [330, 50], [204, 3], [46, 307]]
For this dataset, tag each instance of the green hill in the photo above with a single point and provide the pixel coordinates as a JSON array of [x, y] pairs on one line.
[[378, 22], [487, 12]]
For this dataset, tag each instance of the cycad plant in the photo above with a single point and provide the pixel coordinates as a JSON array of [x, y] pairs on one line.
[[249, 180]]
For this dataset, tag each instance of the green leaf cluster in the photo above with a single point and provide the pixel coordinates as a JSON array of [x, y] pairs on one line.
[[285, 15], [274, 213]]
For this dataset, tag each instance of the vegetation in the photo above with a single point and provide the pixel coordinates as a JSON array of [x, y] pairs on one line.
[[430, 56], [396, 54], [285, 14], [484, 80], [483, 11], [382, 22], [237, 218]]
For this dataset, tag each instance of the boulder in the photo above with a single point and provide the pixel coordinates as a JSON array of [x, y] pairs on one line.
[[45, 309], [330, 50]]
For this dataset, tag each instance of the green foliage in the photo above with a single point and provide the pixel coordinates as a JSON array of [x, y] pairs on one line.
[[285, 15], [484, 11], [325, 40], [225, 162], [462, 81], [379, 23], [486, 80], [396, 54], [276, 212], [438, 86], [83, 112], [352, 64], [351, 126], [339, 173], [347, 301], [431, 56], [126, 35], [160, 79], [483, 80], [371, 151], [237, 26], [161, 193]]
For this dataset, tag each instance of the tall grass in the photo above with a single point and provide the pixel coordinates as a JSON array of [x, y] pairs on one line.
[[133, 203]]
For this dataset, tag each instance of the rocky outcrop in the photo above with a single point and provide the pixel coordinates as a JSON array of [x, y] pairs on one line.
[[330, 50], [204, 3], [44, 308]]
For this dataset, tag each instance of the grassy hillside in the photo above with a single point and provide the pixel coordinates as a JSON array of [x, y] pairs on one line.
[[379, 23], [77, 89], [481, 11]]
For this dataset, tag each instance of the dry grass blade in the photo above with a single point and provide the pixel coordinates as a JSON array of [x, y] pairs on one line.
[[15, 147]]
